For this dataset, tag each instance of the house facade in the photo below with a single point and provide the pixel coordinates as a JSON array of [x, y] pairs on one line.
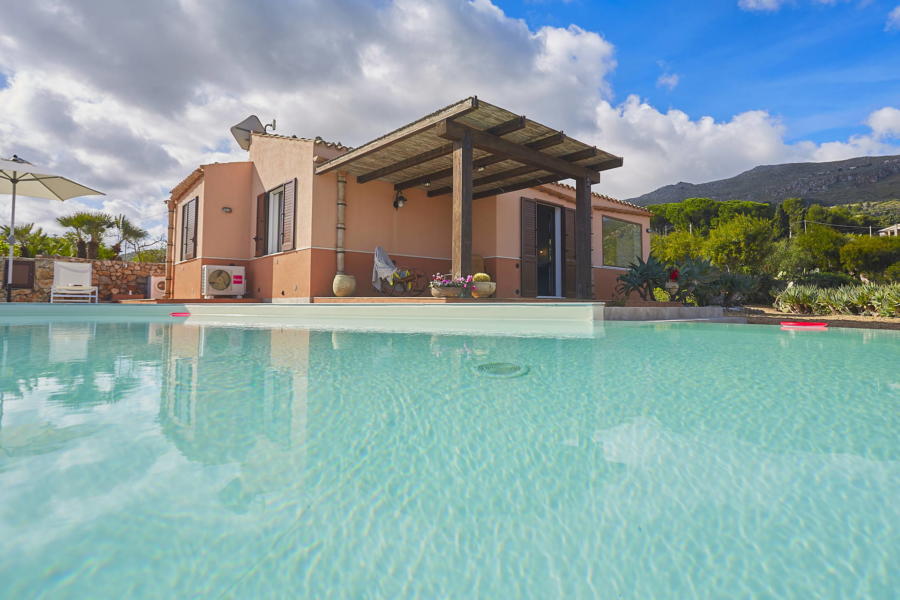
[[277, 214]]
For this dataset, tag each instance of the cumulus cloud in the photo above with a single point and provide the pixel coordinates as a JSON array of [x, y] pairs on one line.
[[668, 80], [893, 20], [89, 91]]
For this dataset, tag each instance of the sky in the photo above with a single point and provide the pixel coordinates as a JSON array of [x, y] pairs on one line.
[[129, 97]]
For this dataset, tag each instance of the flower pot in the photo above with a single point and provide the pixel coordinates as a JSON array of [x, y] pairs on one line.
[[484, 289], [343, 285], [446, 292]]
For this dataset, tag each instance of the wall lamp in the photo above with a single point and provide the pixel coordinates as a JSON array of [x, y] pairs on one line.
[[399, 200], [226, 209]]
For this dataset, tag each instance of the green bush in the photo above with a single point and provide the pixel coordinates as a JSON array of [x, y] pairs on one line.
[[870, 256], [642, 277], [892, 273], [866, 299]]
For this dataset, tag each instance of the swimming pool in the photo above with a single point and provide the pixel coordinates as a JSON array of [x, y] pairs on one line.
[[159, 460]]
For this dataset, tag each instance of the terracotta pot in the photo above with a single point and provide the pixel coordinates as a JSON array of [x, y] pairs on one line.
[[343, 285], [446, 292], [484, 289]]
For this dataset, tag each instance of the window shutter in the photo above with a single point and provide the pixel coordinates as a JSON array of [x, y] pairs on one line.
[[528, 262], [569, 253], [288, 210], [189, 230], [261, 220]]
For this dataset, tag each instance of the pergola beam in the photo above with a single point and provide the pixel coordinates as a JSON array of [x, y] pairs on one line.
[[516, 152], [461, 241], [518, 171], [518, 186], [502, 129], [545, 142]]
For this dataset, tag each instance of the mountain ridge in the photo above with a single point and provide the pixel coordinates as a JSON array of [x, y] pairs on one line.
[[861, 179]]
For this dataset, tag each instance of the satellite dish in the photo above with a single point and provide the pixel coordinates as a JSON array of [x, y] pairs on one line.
[[245, 128]]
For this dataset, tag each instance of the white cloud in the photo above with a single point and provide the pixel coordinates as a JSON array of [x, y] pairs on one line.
[[89, 92], [893, 20], [761, 5], [668, 80], [885, 122]]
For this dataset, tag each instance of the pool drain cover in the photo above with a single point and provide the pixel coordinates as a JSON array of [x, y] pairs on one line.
[[503, 370]]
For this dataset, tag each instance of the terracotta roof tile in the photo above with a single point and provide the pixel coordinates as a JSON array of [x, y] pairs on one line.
[[605, 197]]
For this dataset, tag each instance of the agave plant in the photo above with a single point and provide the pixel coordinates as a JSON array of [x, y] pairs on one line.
[[885, 300], [835, 300], [642, 277], [802, 299]]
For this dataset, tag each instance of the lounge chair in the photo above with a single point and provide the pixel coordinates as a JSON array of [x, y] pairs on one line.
[[72, 282], [391, 280]]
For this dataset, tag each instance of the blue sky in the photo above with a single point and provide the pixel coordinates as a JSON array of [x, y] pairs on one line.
[[821, 67]]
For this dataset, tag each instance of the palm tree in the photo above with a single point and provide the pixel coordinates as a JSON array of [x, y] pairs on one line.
[[87, 231], [25, 236], [128, 232]]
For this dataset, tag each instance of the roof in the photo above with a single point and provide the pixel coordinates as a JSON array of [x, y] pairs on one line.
[[633, 207], [188, 182], [419, 154], [316, 140]]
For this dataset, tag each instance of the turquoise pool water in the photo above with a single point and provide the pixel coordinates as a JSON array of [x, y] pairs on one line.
[[152, 460]]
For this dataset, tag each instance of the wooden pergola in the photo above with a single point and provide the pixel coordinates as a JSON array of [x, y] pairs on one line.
[[472, 149]]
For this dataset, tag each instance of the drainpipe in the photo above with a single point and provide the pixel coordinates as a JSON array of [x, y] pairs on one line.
[[343, 284], [341, 206], [170, 252]]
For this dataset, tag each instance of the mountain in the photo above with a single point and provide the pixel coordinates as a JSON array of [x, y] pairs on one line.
[[863, 179]]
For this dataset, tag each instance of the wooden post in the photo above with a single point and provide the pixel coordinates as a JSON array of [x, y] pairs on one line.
[[583, 283], [461, 252]]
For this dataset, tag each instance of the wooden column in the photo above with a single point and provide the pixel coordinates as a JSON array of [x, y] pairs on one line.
[[583, 275], [461, 252]]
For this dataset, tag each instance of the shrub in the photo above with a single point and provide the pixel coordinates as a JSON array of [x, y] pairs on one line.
[[800, 299], [870, 256], [819, 248], [892, 273], [677, 246], [642, 277], [741, 244]]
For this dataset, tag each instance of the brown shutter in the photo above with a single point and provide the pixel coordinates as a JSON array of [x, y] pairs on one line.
[[569, 252], [528, 262], [189, 232], [261, 220], [22, 274], [288, 210]]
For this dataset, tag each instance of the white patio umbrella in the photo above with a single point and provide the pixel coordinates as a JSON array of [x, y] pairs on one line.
[[22, 177]]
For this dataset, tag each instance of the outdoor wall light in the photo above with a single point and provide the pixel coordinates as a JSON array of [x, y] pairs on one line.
[[399, 200], [226, 209]]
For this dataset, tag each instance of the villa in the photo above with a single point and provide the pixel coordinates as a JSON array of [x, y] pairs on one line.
[[468, 188]]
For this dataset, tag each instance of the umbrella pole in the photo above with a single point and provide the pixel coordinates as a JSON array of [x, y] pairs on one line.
[[11, 242]]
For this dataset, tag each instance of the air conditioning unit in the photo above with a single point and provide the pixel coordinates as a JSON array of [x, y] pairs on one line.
[[157, 287], [221, 280]]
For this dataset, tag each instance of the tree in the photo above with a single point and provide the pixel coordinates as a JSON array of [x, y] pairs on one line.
[[88, 229], [127, 232], [870, 256], [819, 248], [796, 212], [676, 246], [730, 208], [742, 244], [780, 223], [697, 214]]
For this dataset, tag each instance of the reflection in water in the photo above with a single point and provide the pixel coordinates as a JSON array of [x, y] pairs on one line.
[[238, 396]]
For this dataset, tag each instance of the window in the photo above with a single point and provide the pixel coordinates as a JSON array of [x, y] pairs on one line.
[[275, 219], [621, 242], [189, 229]]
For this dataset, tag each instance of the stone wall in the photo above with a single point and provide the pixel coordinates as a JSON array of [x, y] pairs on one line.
[[112, 277]]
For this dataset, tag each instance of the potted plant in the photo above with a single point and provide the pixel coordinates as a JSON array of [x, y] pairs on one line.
[[447, 286], [482, 286]]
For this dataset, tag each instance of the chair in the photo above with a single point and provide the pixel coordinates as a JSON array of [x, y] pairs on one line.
[[72, 282], [391, 280]]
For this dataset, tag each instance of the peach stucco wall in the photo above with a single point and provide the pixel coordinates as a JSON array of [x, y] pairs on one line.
[[226, 185]]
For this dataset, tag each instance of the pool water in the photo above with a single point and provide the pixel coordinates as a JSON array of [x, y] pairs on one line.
[[160, 460]]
